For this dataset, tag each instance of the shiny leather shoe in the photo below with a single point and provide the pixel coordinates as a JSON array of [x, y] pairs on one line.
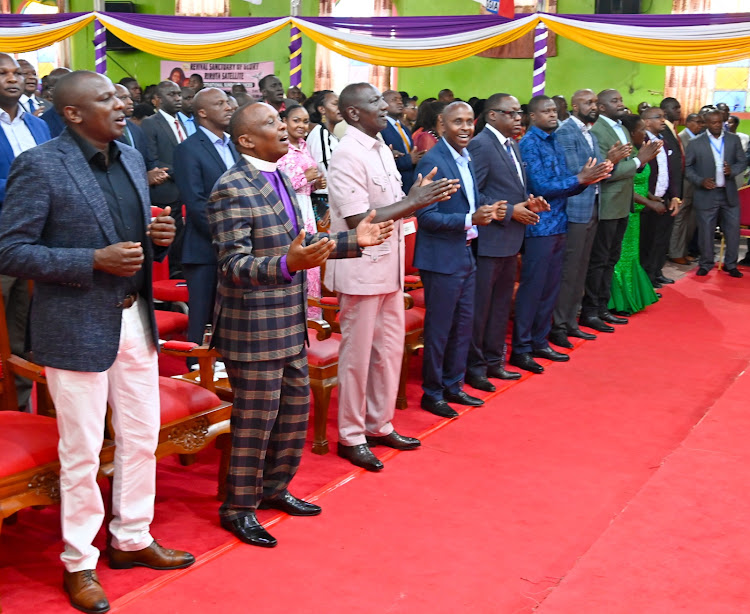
[[611, 318], [701, 272], [526, 362], [360, 456], [577, 332], [153, 557], [247, 529], [560, 339], [735, 273], [500, 373], [596, 323], [664, 280], [291, 505], [480, 383], [656, 285], [85, 592], [439, 408], [463, 399], [395, 441], [550, 354]]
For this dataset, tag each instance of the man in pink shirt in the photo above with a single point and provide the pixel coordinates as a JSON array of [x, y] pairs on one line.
[[362, 175]]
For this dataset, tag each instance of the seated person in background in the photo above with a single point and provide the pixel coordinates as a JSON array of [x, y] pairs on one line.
[[427, 129]]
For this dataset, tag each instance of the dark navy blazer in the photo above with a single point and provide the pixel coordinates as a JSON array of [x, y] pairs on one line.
[[404, 164], [441, 233], [39, 131], [54, 121]]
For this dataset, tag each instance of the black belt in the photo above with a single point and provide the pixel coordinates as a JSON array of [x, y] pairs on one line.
[[128, 301]]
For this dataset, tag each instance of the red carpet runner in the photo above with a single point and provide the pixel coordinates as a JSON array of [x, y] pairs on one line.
[[498, 507]]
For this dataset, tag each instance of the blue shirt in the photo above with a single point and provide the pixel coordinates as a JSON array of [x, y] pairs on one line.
[[548, 176], [188, 122], [221, 145], [467, 181]]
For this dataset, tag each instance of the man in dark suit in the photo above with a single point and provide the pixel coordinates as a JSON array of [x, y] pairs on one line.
[[164, 131], [20, 131], [260, 325], [398, 137], [714, 159], [272, 92], [51, 116], [76, 221], [500, 175], [445, 261], [30, 100], [199, 162]]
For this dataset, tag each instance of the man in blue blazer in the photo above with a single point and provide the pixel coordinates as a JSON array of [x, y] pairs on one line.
[[500, 175], [446, 263], [76, 220], [20, 131], [198, 163], [398, 137]]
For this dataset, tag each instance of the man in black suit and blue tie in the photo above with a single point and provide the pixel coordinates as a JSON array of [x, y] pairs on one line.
[[199, 162], [447, 265], [398, 137]]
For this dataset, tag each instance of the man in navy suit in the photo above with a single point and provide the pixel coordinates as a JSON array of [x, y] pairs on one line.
[[446, 263], [198, 163], [76, 221], [500, 175], [51, 116], [20, 131], [398, 137]]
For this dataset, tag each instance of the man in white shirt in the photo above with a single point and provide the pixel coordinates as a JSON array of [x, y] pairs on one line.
[[30, 100]]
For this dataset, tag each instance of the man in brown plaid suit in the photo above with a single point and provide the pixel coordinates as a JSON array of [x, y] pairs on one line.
[[260, 318]]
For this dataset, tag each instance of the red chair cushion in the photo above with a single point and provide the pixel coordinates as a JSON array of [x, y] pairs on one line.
[[170, 322], [323, 353], [329, 300], [412, 279], [418, 297], [414, 319], [180, 399], [26, 441], [168, 290]]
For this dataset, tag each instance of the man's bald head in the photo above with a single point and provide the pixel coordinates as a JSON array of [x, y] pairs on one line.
[[72, 88], [353, 95], [364, 107], [56, 75], [257, 130], [579, 95], [585, 107], [124, 95], [11, 84], [212, 110], [205, 97]]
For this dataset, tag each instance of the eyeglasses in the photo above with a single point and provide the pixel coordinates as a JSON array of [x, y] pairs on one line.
[[511, 114]]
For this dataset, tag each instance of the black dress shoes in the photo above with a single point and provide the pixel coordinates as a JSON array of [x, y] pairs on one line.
[[439, 408], [735, 273], [550, 354], [656, 285], [577, 332], [463, 399], [395, 441], [291, 505], [480, 383], [611, 318], [701, 272], [500, 373], [526, 362], [360, 456], [596, 323], [560, 339], [247, 529], [664, 280]]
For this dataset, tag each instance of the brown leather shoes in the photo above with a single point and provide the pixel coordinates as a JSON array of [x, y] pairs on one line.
[[153, 557], [85, 592]]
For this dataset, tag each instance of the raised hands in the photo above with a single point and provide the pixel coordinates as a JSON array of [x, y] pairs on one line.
[[425, 191], [593, 172], [649, 150], [373, 234], [618, 152], [301, 256]]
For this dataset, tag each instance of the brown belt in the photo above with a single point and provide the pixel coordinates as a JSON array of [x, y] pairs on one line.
[[468, 243], [128, 301]]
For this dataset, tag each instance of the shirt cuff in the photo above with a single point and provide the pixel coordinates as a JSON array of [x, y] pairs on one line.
[[637, 163], [285, 270], [467, 222]]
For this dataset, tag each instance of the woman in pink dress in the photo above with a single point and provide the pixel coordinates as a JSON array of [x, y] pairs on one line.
[[303, 172]]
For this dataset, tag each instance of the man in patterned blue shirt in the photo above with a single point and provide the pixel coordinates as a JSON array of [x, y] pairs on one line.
[[544, 246]]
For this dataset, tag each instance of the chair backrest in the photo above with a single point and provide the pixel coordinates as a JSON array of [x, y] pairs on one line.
[[744, 194], [159, 270], [8, 398], [410, 239]]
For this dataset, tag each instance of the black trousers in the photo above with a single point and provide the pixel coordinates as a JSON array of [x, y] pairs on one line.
[[605, 253], [656, 230]]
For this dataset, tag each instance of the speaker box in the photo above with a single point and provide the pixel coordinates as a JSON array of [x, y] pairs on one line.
[[618, 7], [114, 43]]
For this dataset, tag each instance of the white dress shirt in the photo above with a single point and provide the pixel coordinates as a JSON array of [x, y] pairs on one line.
[[717, 149], [221, 145], [620, 132], [662, 166], [503, 139], [18, 133], [467, 181], [171, 121]]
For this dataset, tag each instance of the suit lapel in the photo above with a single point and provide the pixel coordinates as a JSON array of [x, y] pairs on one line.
[[209, 146], [510, 165], [451, 164], [166, 128], [5, 148], [267, 190], [80, 172]]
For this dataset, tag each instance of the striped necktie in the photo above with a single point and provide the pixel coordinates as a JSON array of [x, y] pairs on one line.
[[404, 138]]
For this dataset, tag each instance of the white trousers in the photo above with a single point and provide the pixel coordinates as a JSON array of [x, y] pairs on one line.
[[131, 387]]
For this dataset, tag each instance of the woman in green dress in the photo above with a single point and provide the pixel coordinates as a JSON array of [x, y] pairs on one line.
[[632, 290]]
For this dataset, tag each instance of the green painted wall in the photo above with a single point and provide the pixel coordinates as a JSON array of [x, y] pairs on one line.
[[573, 68]]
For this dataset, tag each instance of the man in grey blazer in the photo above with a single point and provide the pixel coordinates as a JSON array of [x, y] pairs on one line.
[[76, 220], [713, 160]]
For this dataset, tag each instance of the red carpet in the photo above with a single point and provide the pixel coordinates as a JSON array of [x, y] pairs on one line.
[[494, 511]]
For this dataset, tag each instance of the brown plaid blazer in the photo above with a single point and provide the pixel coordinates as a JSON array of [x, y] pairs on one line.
[[259, 315]]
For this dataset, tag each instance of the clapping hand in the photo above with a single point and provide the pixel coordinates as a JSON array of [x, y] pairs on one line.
[[618, 152], [301, 257], [593, 172], [537, 204], [373, 234], [162, 229], [501, 209], [425, 191], [484, 215]]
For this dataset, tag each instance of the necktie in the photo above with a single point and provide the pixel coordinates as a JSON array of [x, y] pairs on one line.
[[180, 133], [126, 134], [509, 149], [32, 106], [404, 138]]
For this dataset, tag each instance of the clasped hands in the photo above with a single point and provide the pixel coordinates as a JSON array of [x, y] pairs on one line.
[[527, 211]]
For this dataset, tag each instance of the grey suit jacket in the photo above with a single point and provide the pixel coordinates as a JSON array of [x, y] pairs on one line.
[[53, 218], [161, 145], [616, 200], [699, 165]]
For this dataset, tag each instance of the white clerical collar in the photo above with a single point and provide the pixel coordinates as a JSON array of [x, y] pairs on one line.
[[264, 166]]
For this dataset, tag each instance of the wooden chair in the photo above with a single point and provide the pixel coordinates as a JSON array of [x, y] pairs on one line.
[[167, 290]]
